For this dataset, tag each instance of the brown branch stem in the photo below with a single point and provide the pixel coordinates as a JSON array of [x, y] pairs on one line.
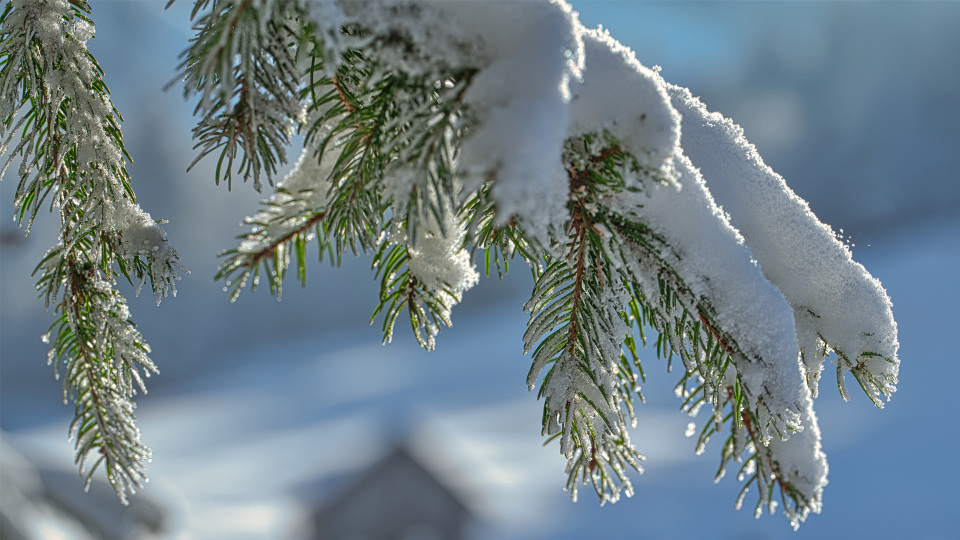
[[716, 334], [272, 248], [351, 108]]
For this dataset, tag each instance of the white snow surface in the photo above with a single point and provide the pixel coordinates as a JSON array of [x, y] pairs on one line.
[[833, 296], [619, 95], [329, 19]]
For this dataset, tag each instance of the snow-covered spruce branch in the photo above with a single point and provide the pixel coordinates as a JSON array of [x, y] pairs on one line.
[[433, 128], [647, 291], [56, 112], [509, 128]]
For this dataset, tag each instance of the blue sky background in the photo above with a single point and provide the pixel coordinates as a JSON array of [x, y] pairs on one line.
[[856, 104]]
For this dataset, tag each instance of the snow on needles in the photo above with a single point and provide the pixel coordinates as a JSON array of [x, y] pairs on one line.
[[526, 55], [141, 236], [619, 95], [439, 259], [748, 254], [531, 52], [631, 102], [835, 300]]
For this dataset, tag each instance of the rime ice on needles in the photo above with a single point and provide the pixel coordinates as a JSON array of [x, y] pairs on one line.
[[71, 148]]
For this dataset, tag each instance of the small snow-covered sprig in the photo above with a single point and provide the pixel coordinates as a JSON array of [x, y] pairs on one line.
[[577, 327], [358, 128], [71, 150], [292, 216], [426, 281], [772, 467], [427, 273], [70, 143], [397, 135]]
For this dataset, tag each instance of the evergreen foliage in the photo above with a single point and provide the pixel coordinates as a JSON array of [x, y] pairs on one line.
[[396, 100], [71, 151]]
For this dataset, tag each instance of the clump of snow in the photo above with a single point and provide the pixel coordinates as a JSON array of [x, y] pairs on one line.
[[139, 233], [141, 236], [620, 96], [531, 54], [834, 298], [399, 184], [439, 259]]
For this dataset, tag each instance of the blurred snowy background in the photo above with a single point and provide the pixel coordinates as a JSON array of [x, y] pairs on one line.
[[265, 411]]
